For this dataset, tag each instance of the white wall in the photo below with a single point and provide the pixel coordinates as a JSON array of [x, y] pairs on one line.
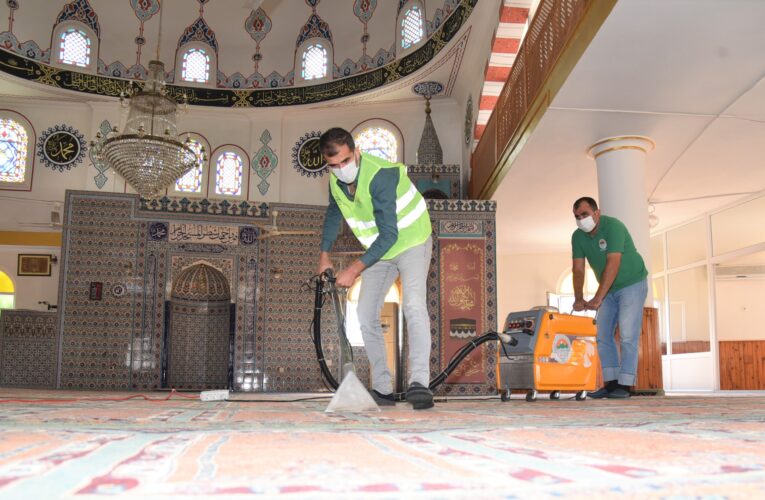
[[221, 126], [30, 290], [740, 315], [524, 279]]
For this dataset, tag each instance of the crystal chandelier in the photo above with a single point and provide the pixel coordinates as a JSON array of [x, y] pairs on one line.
[[148, 153]]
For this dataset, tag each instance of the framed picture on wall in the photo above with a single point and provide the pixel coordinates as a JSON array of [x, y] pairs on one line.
[[34, 264]]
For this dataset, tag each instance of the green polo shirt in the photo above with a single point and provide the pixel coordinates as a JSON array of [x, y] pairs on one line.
[[611, 237]]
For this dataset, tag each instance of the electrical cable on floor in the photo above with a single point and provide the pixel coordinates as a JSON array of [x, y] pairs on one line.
[[96, 400]]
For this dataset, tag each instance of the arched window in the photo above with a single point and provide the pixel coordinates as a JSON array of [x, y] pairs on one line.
[[7, 292], [229, 171], [314, 62], [196, 66], [563, 299], [411, 27], [378, 141], [14, 142], [192, 181], [381, 138], [74, 47]]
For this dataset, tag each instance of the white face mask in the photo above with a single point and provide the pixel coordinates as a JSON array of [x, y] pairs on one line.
[[348, 173], [587, 224]]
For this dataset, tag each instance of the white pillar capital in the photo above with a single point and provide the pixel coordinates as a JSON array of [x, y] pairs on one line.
[[621, 143]]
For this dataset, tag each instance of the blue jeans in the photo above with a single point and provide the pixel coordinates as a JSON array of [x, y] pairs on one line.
[[412, 265], [624, 308]]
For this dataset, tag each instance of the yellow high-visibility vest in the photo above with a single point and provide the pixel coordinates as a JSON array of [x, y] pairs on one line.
[[411, 210]]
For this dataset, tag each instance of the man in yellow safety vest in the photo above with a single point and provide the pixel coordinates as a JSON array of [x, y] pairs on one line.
[[390, 219]]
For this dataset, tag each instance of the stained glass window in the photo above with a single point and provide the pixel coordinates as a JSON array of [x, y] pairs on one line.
[[192, 181], [196, 66], [74, 48], [411, 27], [314, 62], [378, 141], [228, 174], [13, 151]]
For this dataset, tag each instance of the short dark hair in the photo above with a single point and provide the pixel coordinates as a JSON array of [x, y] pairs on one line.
[[586, 199], [333, 139]]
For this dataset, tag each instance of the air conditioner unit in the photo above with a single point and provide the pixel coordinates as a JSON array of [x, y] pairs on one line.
[[740, 272]]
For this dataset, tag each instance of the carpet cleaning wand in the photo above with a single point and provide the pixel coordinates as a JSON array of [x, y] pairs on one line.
[[351, 395], [346, 355]]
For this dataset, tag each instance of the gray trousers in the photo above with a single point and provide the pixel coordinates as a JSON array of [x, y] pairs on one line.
[[413, 266]]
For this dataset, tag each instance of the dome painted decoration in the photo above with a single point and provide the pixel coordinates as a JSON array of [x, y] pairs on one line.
[[316, 27], [144, 9], [249, 86], [428, 89], [201, 282], [258, 25], [199, 31], [61, 147], [363, 9], [80, 10]]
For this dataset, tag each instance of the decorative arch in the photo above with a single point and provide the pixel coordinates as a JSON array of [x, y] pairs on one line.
[[315, 38], [200, 174], [197, 37], [223, 181], [191, 53], [307, 54], [75, 44], [411, 30], [385, 125], [17, 151]]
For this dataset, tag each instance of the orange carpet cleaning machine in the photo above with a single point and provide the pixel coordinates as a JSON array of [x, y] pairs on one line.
[[553, 352]]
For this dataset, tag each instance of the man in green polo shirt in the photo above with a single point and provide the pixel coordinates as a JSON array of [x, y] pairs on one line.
[[622, 287], [390, 219]]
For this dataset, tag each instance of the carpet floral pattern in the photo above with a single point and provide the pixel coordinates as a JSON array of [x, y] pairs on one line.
[[646, 447]]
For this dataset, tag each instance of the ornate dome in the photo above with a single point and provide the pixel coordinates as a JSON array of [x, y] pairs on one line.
[[201, 282], [225, 52]]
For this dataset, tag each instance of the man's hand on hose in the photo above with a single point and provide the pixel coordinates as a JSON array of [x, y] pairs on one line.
[[347, 276], [324, 263], [580, 305]]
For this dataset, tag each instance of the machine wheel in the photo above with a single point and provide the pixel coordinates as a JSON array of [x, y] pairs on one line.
[[555, 395], [581, 395], [504, 395], [531, 396]]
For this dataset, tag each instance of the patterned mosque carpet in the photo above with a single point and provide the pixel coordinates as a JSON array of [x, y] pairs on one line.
[[646, 447]]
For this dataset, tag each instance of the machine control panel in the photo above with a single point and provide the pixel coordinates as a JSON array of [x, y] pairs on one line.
[[526, 323]]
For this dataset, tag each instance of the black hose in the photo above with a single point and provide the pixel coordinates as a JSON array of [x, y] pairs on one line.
[[454, 362], [317, 305], [459, 356]]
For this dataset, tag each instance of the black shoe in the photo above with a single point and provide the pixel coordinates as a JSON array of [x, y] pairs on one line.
[[419, 396], [619, 393], [601, 393], [383, 399]]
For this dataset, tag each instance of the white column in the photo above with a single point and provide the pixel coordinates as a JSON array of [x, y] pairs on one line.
[[621, 163]]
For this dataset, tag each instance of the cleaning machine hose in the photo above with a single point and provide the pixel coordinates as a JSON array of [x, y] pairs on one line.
[[317, 305], [454, 362]]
